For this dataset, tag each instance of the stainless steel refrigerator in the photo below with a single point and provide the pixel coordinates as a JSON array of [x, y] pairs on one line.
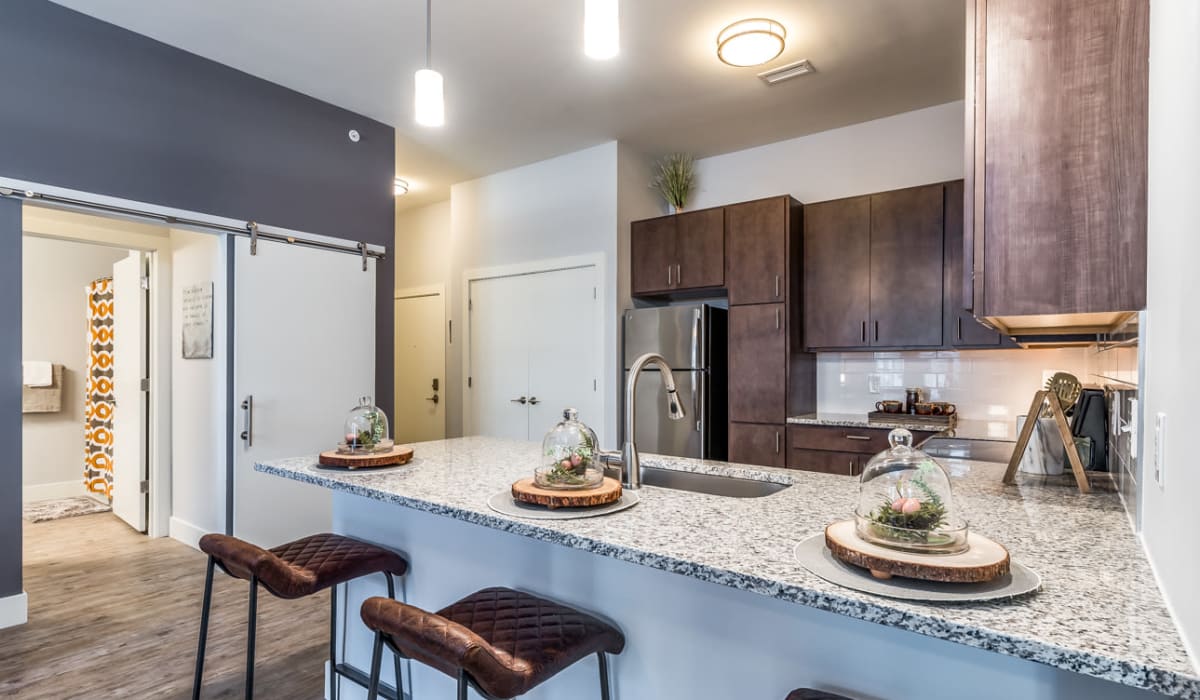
[[692, 339]]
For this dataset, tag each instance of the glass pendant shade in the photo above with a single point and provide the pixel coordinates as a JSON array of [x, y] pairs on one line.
[[601, 28], [430, 103]]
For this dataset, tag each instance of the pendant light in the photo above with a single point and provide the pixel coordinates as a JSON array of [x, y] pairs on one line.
[[601, 28], [430, 100]]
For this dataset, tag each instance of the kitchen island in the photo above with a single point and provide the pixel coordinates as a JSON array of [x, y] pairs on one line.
[[714, 605]]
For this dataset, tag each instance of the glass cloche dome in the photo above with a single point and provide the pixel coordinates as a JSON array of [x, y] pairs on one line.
[[905, 501], [366, 429], [570, 458]]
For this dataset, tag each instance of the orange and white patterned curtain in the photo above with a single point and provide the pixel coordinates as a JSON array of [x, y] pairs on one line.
[[98, 404]]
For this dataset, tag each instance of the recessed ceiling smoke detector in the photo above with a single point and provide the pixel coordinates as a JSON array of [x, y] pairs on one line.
[[782, 73]]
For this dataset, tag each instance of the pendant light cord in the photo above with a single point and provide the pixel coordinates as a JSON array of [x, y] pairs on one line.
[[428, 33]]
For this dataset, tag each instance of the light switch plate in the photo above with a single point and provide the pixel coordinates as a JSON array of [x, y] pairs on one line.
[[1160, 449]]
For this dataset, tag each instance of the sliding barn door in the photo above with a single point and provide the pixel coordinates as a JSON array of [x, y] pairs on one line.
[[304, 338]]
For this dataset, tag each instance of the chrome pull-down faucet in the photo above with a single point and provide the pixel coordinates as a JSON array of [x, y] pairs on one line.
[[627, 458]]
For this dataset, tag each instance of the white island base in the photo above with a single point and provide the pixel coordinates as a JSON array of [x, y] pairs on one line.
[[686, 638]]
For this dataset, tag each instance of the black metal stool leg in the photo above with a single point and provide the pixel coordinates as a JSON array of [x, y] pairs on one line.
[[397, 662], [204, 609], [462, 685], [376, 664], [333, 679], [604, 691], [250, 638]]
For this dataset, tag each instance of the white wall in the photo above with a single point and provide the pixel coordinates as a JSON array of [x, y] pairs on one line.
[[55, 275], [561, 207], [992, 385], [1170, 528], [422, 251], [199, 400], [914, 148]]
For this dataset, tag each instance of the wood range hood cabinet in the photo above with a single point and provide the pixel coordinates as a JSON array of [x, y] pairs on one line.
[[1055, 191]]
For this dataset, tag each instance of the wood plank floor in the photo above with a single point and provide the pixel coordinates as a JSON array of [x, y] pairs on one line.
[[115, 614]]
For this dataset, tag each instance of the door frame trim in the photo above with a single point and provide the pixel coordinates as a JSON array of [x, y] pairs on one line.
[[606, 356]]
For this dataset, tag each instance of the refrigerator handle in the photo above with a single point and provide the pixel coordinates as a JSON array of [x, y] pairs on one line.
[[697, 338]]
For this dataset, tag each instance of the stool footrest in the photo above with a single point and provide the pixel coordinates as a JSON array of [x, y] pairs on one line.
[[361, 679]]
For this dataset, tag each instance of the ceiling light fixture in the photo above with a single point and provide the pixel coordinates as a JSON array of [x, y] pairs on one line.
[[400, 187], [750, 42], [601, 28], [430, 98]]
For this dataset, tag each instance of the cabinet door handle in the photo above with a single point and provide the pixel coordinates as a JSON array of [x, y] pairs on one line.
[[777, 442], [678, 274], [857, 437], [668, 275], [877, 331], [960, 329], [776, 286], [778, 320], [248, 420], [864, 332]]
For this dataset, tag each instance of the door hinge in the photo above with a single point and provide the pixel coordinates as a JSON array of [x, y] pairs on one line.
[[144, 384], [144, 487], [470, 304], [593, 385], [145, 282], [468, 382], [594, 293]]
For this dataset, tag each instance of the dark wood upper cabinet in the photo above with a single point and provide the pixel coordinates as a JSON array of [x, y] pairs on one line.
[[758, 363], [652, 255], [700, 249], [962, 330], [1056, 124], [680, 253], [756, 239], [906, 267], [837, 273]]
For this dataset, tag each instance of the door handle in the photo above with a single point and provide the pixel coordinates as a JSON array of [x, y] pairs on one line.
[[433, 398], [960, 329], [857, 437], [533, 401], [778, 320], [248, 420], [678, 274], [876, 331], [668, 275], [864, 331], [777, 442], [776, 286], [521, 400]]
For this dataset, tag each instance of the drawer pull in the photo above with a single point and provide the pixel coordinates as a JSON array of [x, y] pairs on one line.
[[857, 437]]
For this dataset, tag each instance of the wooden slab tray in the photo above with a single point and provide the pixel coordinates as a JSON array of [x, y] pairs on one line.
[[400, 454], [984, 559], [525, 491], [913, 419]]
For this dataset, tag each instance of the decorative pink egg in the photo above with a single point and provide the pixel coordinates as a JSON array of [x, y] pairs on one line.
[[351, 437], [898, 504], [575, 460], [911, 505], [565, 464]]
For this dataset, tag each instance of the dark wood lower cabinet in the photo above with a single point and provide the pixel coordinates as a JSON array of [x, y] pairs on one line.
[[825, 462], [751, 443]]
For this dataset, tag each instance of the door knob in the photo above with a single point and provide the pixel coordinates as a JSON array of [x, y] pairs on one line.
[[534, 400], [433, 398], [521, 400]]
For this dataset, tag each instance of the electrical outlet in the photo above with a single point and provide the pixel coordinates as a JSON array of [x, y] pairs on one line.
[[873, 383], [1160, 449]]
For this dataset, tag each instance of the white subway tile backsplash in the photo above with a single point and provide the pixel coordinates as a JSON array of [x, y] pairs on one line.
[[994, 385]]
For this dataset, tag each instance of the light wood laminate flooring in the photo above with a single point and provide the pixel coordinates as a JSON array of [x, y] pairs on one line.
[[115, 614]]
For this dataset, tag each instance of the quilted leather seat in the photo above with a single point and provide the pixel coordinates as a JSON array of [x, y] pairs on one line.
[[810, 694], [302, 567], [507, 641]]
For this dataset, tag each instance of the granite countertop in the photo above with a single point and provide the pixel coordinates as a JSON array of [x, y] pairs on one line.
[[1080, 544], [1002, 429]]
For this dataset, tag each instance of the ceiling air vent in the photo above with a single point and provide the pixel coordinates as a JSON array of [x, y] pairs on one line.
[[782, 73]]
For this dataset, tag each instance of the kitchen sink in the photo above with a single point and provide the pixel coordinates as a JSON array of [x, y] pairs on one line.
[[730, 486]]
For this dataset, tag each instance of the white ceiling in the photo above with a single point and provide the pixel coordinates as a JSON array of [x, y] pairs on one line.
[[519, 89]]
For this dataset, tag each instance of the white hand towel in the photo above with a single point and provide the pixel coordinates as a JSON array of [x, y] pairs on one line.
[[37, 374]]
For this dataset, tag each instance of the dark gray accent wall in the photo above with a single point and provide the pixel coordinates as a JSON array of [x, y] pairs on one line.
[[90, 106], [10, 399]]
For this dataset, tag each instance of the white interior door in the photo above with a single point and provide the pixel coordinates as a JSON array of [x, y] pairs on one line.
[[130, 314], [420, 407], [304, 338], [534, 349]]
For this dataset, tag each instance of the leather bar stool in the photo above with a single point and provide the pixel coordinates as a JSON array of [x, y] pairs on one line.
[[499, 641], [294, 570], [810, 694]]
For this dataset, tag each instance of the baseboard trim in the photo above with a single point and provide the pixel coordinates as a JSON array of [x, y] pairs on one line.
[[56, 489], [186, 532], [14, 610]]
